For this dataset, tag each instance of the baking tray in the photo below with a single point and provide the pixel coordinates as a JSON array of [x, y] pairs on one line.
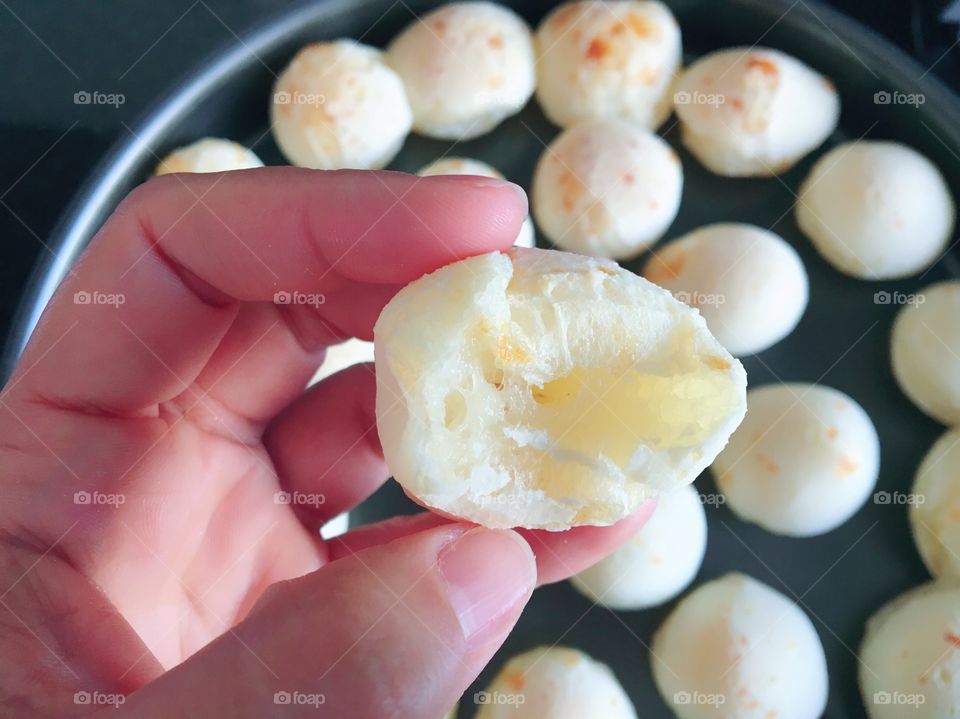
[[839, 578]]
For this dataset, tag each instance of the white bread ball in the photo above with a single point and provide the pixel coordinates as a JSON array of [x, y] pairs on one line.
[[749, 285], [210, 154], [468, 166], [607, 59], [338, 105], [753, 111], [606, 188], [876, 210], [935, 507], [466, 67], [910, 656], [803, 462], [658, 562], [736, 649], [346, 354], [925, 349], [554, 683], [547, 390]]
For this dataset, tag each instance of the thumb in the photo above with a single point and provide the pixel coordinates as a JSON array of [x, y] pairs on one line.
[[398, 630]]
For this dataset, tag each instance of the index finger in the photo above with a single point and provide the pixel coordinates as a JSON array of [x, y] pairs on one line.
[[160, 285]]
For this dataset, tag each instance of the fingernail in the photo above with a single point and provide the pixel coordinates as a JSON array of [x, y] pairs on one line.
[[480, 181], [487, 574]]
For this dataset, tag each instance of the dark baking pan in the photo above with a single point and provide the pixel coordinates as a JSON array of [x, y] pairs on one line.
[[839, 578]]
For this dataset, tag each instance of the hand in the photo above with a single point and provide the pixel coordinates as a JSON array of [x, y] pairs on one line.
[[159, 408]]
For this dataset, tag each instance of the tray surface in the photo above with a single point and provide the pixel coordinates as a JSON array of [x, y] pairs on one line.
[[842, 340]]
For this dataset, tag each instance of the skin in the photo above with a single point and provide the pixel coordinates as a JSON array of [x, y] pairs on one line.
[[183, 588]]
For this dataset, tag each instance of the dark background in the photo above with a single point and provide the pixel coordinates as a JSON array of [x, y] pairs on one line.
[[51, 49]]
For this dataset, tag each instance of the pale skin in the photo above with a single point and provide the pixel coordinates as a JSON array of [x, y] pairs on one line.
[[177, 586]]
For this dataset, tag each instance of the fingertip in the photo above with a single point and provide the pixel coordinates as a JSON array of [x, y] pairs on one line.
[[488, 576], [428, 222]]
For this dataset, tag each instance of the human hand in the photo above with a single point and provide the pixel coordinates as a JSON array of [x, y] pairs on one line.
[[145, 432]]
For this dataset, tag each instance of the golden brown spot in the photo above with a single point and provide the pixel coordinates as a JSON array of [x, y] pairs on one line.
[[955, 514], [768, 465], [846, 466], [716, 362], [510, 353], [951, 638], [606, 270], [567, 203], [597, 49], [829, 84], [832, 432], [514, 680], [564, 15], [629, 178], [440, 26], [765, 65], [666, 266], [571, 659], [495, 41], [640, 25], [737, 103]]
